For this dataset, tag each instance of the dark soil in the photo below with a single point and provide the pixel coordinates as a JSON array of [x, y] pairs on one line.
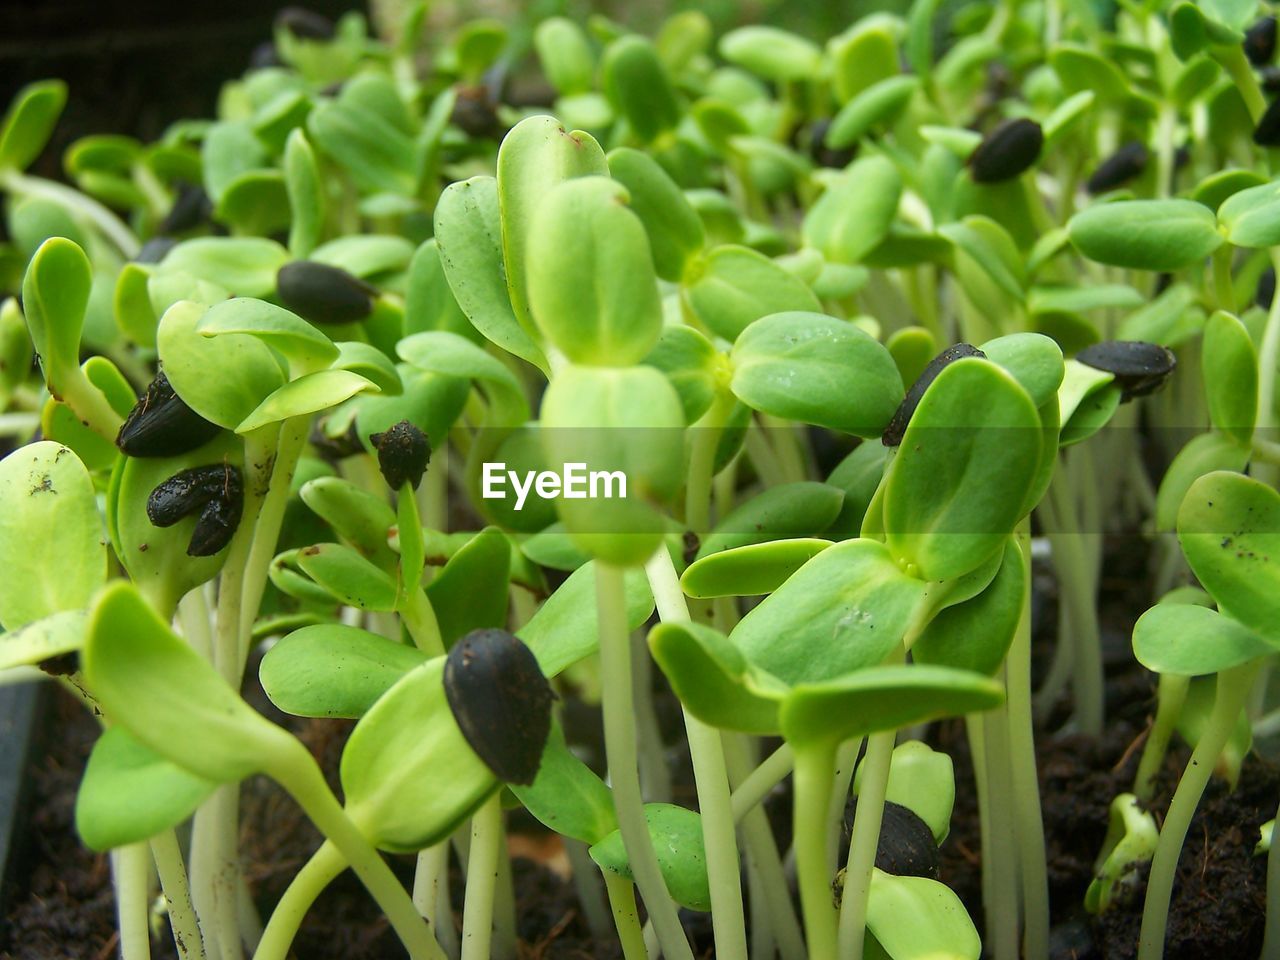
[[64, 908]]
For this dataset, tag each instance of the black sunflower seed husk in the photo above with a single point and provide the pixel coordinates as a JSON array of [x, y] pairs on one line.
[[162, 425], [897, 427], [907, 847], [476, 114], [333, 449], [305, 24], [191, 207], [155, 250], [1260, 41], [323, 294], [190, 490], [826, 156], [1139, 368], [1119, 168], [1267, 132], [501, 702], [216, 525], [1007, 151], [264, 55], [1266, 288], [403, 454]]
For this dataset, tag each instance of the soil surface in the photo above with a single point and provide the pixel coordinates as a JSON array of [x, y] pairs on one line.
[[63, 906]]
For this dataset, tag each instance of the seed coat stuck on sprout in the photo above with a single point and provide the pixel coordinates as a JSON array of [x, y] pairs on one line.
[[215, 491], [1008, 150], [162, 425], [324, 295], [403, 454], [501, 701], [897, 427], [1139, 368]]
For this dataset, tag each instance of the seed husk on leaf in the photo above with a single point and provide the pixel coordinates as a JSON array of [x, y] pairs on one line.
[[191, 207], [825, 156], [155, 249], [907, 847], [1008, 150], [1266, 288], [1140, 368], [1267, 132], [403, 454], [1260, 41], [902, 416], [323, 294], [333, 449], [162, 425], [1119, 168], [215, 491], [501, 701]]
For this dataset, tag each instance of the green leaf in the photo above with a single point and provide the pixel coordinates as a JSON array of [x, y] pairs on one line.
[[308, 394], [55, 295], [1192, 641], [1229, 364], [611, 420], [275, 326], [882, 102], [591, 283], [567, 796], [348, 577], [958, 484], [566, 628], [882, 698], [751, 570], [692, 364], [535, 156], [129, 793], [256, 202], [975, 635], [29, 122], [1229, 529], [638, 87], [788, 510], [1169, 320], [677, 843], [1202, 454], [1164, 235], [922, 780], [714, 680], [245, 266], [864, 55], [369, 362], [391, 766], [171, 699], [853, 215], [229, 151], [734, 286], [844, 610], [330, 670], [816, 369], [1251, 217], [447, 353], [1034, 360], [858, 475], [940, 925], [50, 531], [471, 591], [378, 156], [44, 639], [469, 235], [429, 303], [565, 55], [306, 195], [675, 232], [771, 53]]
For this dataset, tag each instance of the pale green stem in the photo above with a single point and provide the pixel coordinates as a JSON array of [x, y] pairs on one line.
[[1268, 357], [88, 403], [132, 869], [622, 901], [712, 782], [620, 746], [588, 883], [1077, 588], [432, 872], [814, 870], [706, 437], [173, 881], [1003, 940], [1171, 694], [1028, 823], [864, 841], [757, 784], [973, 724], [307, 884], [482, 875], [1233, 689]]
